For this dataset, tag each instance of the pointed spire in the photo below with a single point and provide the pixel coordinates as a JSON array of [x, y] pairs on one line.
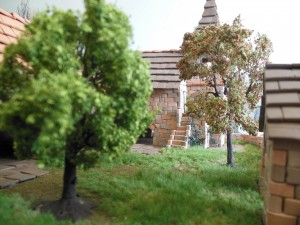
[[210, 14]]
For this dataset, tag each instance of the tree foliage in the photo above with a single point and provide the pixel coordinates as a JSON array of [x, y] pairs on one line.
[[71, 83], [70, 89], [231, 55]]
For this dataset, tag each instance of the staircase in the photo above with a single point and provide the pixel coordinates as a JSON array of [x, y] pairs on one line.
[[179, 137]]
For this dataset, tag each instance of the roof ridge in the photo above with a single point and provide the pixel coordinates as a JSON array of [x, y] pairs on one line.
[[14, 16], [283, 66], [162, 51], [4, 12]]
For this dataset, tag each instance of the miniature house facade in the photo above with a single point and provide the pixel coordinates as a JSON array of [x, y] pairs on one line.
[[281, 156], [171, 127]]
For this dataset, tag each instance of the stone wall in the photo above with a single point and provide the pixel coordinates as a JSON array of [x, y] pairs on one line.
[[166, 102]]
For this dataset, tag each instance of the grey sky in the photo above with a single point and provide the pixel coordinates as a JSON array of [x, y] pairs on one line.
[[161, 24]]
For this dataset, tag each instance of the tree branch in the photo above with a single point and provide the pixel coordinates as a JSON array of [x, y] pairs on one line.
[[215, 87], [249, 88], [225, 86]]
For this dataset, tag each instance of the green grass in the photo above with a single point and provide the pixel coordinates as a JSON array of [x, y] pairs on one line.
[[185, 187]]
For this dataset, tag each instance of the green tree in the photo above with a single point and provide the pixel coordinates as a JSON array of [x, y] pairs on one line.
[[231, 54], [71, 90]]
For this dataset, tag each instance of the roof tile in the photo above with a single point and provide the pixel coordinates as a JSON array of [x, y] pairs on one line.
[[165, 78], [210, 14], [2, 47], [291, 113], [282, 99], [12, 40], [3, 12], [208, 20], [289, 85], [4, 39], [163, 59], [7, 30], [161, 54], [272, 86], [284, 131], [174, 72], [163, 66], [11, 26], [278, 73], [210, 4], [274, 113], [19, 18], [17, 32], [283, 104], [296, 73], [164, 73]]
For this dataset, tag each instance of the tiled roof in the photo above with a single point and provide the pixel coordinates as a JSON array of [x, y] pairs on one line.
[[210, 14], [11, 25], [282, 90], [164, 73]]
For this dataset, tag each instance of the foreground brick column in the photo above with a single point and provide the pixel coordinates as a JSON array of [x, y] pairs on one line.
[[282, 197]]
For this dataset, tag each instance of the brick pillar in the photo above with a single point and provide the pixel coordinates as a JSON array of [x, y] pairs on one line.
[[166, 103], [282, 197]]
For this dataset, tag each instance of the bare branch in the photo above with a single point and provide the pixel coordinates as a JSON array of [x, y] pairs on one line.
[[24, 10]]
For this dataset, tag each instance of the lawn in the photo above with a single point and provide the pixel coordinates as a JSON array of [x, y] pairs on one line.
[[184, 187]]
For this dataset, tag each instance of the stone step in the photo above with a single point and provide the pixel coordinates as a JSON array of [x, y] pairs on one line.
[[178, 142], [180, 132], [180, 137], [181, 128]]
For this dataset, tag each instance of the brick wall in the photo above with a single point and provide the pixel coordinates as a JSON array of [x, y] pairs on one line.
[[167, 102], [282, 180], [279, 179], [256, 140], [196, 84]]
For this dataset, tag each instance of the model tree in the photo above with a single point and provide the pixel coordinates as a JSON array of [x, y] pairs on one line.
[[230, 55], [71, 90]]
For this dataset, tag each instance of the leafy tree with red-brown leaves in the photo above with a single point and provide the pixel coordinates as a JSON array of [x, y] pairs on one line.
[[230, 54]]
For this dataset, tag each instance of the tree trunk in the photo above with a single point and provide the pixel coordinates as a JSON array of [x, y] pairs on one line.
[[69, 207], [70, 180], [229, 149]]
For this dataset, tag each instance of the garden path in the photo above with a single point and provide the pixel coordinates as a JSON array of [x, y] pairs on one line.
[[14, 171]]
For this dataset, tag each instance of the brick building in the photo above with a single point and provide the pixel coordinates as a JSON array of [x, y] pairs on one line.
[[281, 173], [169, 95]]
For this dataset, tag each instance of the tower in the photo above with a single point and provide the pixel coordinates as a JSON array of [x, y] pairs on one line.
[[210, 14]]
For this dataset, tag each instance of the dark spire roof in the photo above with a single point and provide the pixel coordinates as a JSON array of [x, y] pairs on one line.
[[210, 14]]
